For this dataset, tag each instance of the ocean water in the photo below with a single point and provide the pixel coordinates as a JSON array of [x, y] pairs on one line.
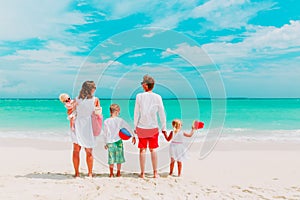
[[239, 119]]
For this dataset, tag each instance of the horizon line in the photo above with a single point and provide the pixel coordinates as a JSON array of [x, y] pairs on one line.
[[203, 98]]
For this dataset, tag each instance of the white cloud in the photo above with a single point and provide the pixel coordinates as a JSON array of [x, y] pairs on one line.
[[27, 19], [136, 55], [193, 54], [227, 14], [260, 42], [55, 55]]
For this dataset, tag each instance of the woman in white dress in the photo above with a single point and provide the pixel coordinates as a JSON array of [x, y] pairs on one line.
[[178, 150], [83, 135]]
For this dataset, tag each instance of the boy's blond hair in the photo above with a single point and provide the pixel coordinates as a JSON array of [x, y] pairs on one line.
[[114, 107]]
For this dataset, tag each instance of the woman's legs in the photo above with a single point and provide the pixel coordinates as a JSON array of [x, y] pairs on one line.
[[76, 158], [89, 161]]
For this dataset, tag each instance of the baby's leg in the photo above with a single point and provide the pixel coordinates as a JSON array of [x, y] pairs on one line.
[[172, 166]]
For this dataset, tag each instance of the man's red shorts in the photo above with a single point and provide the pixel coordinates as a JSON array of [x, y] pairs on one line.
[[147, 137]]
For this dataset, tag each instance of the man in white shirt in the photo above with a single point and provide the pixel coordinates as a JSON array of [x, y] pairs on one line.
[[147, 105]]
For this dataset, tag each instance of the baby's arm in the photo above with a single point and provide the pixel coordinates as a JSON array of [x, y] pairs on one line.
[[168, 138]]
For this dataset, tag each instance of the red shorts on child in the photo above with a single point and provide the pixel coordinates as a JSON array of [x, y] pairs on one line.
[[147, 137]]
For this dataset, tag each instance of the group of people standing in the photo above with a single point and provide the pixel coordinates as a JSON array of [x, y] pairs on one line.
[[147, 105]]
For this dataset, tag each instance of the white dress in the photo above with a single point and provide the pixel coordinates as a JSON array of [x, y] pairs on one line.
[[83, 134], [178, 150]]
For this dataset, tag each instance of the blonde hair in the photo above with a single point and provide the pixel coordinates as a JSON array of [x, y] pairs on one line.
[[176, 124], [114, 107], [63, 97], [86, 90]]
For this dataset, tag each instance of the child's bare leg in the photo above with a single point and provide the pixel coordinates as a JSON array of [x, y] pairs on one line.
[[179, 164], [119, 169], [172, 166], [111, 170], [76, 158], [154, 162], [142, 162]]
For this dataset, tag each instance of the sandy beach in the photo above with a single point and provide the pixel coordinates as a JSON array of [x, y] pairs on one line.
[[42, 169]]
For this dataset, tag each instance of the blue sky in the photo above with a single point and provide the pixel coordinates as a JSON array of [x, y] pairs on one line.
[[216, 48]]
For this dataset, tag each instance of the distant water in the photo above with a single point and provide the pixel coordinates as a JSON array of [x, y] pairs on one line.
[[249, 119]]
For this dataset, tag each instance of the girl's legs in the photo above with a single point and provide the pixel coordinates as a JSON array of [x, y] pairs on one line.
[[179, 165], [171, 166], [111, 170], [76, 159], [119, 169], [89, 160]]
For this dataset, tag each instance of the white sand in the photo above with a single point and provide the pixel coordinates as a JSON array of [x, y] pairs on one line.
[[39, 169]]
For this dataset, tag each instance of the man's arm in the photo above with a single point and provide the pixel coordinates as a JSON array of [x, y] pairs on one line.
[[162, 115], [136, 112]]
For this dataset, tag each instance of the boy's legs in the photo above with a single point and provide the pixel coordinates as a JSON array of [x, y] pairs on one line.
[[111, 170], [142, 162], [76, 158], [154, 162], [153, 144], [119, 169]]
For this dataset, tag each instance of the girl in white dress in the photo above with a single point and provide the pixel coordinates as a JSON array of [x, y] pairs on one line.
[[83, 134], [177, 148]]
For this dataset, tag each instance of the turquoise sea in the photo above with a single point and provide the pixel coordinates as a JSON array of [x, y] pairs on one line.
[[244, 119]]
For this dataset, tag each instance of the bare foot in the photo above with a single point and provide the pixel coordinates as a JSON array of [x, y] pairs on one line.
[[90, 175], [76, 175], [155, 174], [111, 176], [142, 175], [118, 173]]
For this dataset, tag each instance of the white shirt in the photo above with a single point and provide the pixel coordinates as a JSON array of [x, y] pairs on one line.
[[147, 105], [112, 127]]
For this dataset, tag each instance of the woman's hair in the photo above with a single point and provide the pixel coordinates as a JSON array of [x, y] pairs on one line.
[[114, 107], [176, 124], [86, 90]]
